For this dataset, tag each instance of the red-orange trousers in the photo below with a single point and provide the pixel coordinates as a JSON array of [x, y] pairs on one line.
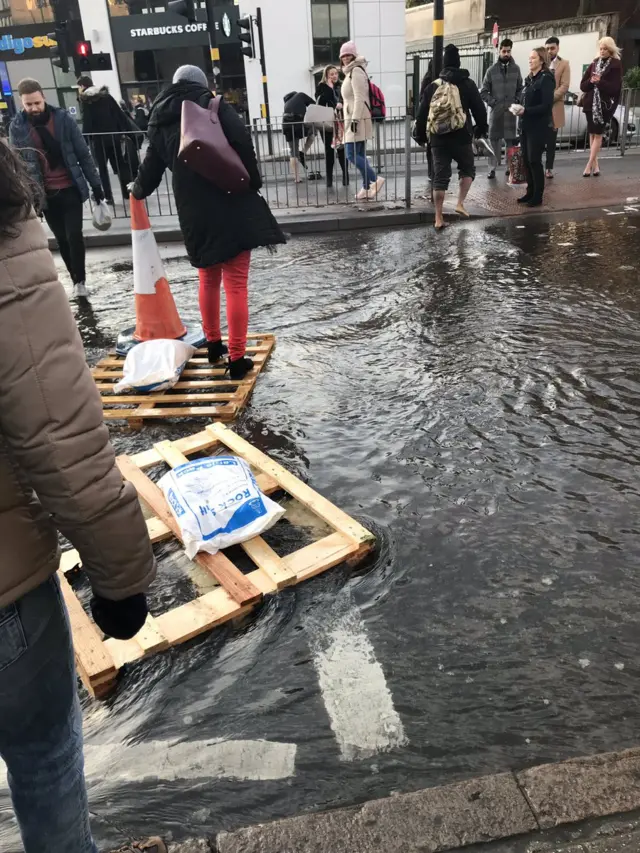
[[234, 275]]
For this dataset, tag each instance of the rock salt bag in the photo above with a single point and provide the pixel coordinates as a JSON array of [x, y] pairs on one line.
[[154, 366], [217, 503]]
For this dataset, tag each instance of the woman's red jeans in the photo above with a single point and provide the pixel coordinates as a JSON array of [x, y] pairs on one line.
[[234, 275]]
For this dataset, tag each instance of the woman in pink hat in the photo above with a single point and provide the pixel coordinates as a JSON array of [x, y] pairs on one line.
[[358, 126]]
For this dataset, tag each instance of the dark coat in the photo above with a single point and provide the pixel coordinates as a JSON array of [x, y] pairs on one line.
[[101, 113], [77, 157], [537, 100], [472, 104], [296, 103], [610, 87], [216, 226], [326, 96], [501, 87]]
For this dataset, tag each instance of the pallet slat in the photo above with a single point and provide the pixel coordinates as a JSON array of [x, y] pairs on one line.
[[320, 506]]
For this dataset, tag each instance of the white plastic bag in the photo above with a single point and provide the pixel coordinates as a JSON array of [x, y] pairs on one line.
[[217, 503], [101, 216], [154, 366]]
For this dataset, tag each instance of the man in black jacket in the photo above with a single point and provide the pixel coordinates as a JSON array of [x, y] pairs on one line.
[[111, 135], [457, 144]]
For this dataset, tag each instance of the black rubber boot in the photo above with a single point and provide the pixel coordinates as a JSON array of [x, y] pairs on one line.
[[239, 368], [216, 350]]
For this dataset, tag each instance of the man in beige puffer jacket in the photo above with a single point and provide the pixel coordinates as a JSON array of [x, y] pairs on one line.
[[57, 473]]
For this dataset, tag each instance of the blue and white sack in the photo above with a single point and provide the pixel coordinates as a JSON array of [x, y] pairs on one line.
[[154, 366], [217, 503]]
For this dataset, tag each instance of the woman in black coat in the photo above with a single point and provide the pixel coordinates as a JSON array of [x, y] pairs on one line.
[[536, 113], [220, 229], [328, 95]]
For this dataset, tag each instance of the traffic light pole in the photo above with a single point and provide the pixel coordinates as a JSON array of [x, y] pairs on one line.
[[438, 36], [265, 87]]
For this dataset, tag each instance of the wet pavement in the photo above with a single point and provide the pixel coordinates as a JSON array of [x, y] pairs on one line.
[[473, 398]]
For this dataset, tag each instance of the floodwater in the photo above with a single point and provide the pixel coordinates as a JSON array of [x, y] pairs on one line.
[[473, 398]]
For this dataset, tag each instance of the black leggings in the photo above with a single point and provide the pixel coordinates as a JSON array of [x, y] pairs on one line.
[[64, 216], [330, 157], [107, 150], [533, 145]]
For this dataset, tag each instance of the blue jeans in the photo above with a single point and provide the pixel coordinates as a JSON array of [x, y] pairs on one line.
[[41, 724], [356, 154]]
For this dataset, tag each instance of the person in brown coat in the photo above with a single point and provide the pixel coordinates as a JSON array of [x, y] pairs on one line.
[[57, 475], [562, 72], [602, 86]]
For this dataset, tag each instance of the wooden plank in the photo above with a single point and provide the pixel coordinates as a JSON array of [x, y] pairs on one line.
[[195, 443], [158, 530], [319, 505], [187, 621], [320, 556], [228, 413], [94, 662], [269, 562], [150, 638], [223, 384], [171, 454], [222, 569], [164, 397]]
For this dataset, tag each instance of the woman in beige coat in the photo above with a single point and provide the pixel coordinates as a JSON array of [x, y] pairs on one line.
[[58, 473], [358, 126]]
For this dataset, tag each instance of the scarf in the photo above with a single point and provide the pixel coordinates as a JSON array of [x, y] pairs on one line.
[[601, 67], [51, 146]]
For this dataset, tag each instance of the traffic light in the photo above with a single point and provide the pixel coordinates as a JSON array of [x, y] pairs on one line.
[[59, 52], [246, 36], [84, 52], [185, 8]]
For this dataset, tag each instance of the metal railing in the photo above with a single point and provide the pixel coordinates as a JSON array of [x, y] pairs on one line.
[[303, 166]]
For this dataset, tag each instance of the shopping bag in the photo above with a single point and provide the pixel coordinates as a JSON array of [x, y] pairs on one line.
[[153, 366], [101, 216]]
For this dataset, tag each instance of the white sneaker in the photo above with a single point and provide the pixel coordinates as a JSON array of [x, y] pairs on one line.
[[375, 188], [80, 291], [363, 194]]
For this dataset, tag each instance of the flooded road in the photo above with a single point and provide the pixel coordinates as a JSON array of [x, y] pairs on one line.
[[474, 399]]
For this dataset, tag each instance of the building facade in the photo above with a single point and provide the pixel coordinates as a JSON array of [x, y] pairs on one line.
[[300, 37], [25, 52]]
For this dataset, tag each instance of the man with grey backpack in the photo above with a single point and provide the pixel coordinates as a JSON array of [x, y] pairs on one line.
[[445, 118]]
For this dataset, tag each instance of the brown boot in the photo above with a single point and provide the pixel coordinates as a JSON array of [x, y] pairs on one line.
[[151, 845]]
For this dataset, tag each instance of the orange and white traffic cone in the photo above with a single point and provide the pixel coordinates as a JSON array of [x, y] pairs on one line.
[[156, 313]]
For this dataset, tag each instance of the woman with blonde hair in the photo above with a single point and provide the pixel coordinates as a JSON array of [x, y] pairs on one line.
[[535, 113], [601, 85], [328, 95]]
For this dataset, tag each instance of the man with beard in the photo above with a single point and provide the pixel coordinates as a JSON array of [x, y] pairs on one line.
[[501, 88], [60, 163]]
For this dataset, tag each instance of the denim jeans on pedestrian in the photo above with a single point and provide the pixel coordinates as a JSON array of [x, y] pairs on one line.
[[356, 154], [41, 724]]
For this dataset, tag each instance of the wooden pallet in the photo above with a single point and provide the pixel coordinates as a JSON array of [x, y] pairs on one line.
[[203, 390], [236, 594]]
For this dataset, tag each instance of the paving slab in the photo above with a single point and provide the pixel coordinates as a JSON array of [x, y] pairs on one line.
[[583, 788], [429, 821]]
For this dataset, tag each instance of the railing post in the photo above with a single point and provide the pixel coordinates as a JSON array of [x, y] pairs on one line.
[[625, 121], [407, 161]]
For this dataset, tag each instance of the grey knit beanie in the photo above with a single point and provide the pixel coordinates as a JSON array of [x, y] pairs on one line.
[[190, 74]]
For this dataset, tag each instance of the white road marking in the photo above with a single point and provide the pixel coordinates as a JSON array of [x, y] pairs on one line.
[[354, 689], [168, 761]]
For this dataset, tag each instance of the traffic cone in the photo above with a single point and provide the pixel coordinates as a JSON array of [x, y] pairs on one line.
[[156, 312]]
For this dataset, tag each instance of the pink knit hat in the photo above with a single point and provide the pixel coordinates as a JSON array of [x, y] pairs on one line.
[[348, 49]]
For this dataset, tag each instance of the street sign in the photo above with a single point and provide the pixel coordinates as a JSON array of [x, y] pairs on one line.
[[495, 38]]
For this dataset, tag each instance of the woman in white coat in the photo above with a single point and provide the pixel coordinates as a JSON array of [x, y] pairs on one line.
[[358, 126]]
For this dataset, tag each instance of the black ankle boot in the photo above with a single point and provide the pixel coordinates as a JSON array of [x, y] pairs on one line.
[[215, 351], [239, 368], [525, 199]]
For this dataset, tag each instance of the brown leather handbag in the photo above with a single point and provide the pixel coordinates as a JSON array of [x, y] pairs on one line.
[[205, 149]]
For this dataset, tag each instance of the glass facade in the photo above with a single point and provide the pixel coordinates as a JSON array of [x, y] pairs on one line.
[[330, 22], [19, 13]]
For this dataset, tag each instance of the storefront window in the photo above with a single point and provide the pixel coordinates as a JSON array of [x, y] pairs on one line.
[[330, 22]]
